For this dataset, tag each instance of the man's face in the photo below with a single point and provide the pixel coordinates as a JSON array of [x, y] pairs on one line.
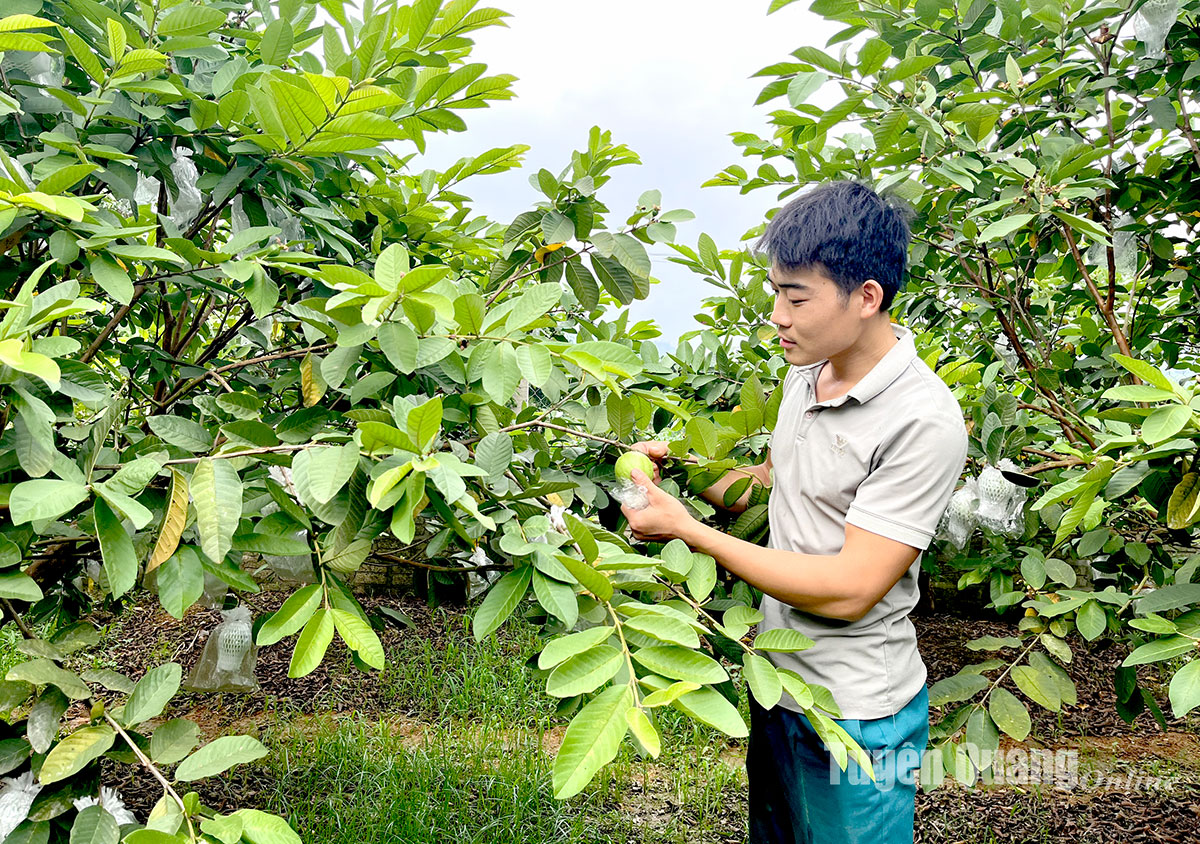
[[811, 317]]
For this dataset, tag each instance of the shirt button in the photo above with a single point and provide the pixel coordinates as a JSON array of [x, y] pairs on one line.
[[808, 415]]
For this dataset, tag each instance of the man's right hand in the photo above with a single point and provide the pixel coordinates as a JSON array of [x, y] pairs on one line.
[[656, 450]]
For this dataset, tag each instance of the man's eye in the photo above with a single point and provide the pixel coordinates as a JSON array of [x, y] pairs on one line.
[[797, 301]]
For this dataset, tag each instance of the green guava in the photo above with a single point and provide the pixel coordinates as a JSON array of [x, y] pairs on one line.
[[631, 460]]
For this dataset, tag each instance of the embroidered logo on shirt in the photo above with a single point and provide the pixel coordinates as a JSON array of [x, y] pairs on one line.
[[839, 444]]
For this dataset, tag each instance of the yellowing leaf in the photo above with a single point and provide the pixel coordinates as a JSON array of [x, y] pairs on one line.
[[542, 251], [173, 522]]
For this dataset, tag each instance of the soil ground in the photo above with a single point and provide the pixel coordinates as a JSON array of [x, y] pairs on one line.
[[1166, 810]]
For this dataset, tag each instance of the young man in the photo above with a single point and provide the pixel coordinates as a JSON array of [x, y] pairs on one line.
[[867, 450]]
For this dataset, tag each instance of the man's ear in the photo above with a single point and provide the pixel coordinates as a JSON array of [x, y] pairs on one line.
[[872, 293]]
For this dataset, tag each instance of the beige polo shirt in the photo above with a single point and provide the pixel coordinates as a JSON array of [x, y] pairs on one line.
[[885, 457]]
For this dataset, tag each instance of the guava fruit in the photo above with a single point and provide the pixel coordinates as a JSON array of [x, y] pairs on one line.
[[631, 460]]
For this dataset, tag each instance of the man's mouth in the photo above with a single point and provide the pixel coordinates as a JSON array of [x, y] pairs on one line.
[[786, 343]]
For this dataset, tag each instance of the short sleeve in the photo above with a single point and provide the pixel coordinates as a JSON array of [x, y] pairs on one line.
[[918, 467]]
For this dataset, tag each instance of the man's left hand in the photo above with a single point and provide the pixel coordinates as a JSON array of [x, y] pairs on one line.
[[664, 518]]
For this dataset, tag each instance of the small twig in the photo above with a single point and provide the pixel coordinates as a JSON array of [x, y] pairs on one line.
[[15, 616], [138, 290], [392, 558], [216, 373], [150, 766], [276, 449], [1054, 464]]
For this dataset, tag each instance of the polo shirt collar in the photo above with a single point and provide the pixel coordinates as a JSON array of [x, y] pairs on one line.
[[885, 371], [888, 368]]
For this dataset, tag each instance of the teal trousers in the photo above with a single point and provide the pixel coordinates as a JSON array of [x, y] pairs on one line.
[[799, 795]]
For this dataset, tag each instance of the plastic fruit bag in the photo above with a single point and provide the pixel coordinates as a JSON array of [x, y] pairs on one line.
[[631, 495], [293, 569], [227, 662]]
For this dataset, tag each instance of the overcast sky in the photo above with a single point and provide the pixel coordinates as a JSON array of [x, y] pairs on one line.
[[670, 78]]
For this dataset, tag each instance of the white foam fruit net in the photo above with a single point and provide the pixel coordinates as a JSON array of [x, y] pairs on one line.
[[1152, 23], [990, 501]]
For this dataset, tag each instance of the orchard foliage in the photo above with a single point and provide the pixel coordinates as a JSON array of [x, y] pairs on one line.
[[1048, 153], [235, 313]]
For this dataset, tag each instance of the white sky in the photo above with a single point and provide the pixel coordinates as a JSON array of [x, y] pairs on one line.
[[669, 78]]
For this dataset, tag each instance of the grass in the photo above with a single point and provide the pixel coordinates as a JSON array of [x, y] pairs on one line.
[[467, 758]]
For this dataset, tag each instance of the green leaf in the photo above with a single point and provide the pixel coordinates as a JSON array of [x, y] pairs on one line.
[[584, 672], [112, 279], [188, 435], [217, 496], [763, 680], [75, 752], [702, 577], [276, 44], [311, 646], [1185, 689], [1091, 621], [713, 708], [494, 453], [1037, 686], [359, 637], [665, 628], [320, 472], [803, 86], [978, 118], [180, 581], [872, 56], [1165, 422], [294, 614], [1005, 227], [40, 671], [16, 586], [587, 577], [500, 601], [43, 722], [564, 647], [226, 829], [219, 755], [399, 344], [1173, 597], [424, 423], [783, 640], [669, 694], [116, 549], [641, 728], [262, 828], [1137, 392], [591, 740], [533, 303], [556, 598], [1009, 713], [33, 501], [173, 740], [681, 664], [909, 67], [94, 825], [152, 693], [190, 19], [1146, 372], [1156, 651], [1083, 225], [961, 686]]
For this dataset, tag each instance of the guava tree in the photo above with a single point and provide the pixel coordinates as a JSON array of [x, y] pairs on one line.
[[1048, 153], [238, 321]]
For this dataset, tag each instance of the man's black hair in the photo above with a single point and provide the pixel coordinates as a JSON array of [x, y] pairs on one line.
[[847, 232]]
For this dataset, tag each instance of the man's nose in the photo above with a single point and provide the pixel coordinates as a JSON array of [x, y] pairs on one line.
[[778, 313]]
